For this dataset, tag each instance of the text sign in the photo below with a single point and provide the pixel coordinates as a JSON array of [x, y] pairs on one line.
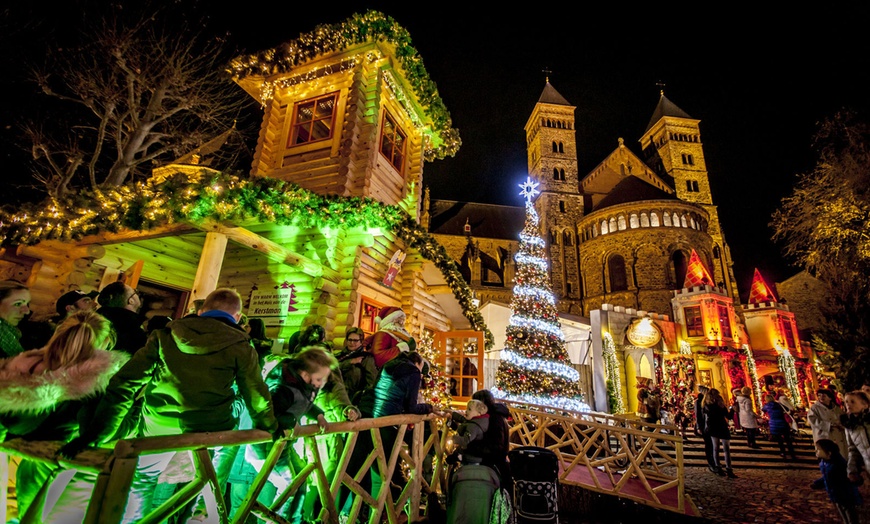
[[270, 303]]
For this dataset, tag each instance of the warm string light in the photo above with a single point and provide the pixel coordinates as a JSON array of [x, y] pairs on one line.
[[786, 365], [372, 26], [611, 370], [208, 195]]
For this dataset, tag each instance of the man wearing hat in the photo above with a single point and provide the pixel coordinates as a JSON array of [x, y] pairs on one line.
[[391, 338], [73, 301]]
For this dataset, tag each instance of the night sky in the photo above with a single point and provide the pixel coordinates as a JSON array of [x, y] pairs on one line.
[[758, 82]]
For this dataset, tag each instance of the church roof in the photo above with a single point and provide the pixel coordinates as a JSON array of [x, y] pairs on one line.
[[632, 189], [665, 108], [551, 96], [448, 217]]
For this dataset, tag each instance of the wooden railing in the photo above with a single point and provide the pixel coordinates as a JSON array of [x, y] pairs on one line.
[[115, 469], [592, 442], [605, 453]]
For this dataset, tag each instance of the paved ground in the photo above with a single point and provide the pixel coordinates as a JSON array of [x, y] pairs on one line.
[[764, 496], [767, 496]]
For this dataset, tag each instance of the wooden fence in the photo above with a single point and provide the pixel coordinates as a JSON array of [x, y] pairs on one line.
[[613, 453]]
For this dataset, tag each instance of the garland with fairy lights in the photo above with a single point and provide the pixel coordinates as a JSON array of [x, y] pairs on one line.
[[611, 370], [753, 375], [435, 387], [370, 26], [786, 365], [210, 195], [534, 366]]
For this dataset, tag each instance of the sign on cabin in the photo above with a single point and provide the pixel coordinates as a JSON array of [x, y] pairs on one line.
[[270, 303]]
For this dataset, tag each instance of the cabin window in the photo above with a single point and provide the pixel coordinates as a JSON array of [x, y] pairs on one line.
[[367, 314], [393, 142], [724, 321], [694, 321], [313, 120]]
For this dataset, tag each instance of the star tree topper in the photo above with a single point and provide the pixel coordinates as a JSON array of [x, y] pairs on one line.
[[529, 189]]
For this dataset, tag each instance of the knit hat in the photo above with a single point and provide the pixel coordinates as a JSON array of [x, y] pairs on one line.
[[70, 298], [388, 315]]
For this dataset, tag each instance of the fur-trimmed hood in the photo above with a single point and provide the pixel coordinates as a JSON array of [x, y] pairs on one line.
[[23, 391]]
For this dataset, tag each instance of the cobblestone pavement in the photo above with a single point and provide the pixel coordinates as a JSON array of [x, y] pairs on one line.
[[764, 496]]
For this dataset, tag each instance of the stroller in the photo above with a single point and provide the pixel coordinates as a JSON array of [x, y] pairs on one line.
[[535, 472], [472, 488]]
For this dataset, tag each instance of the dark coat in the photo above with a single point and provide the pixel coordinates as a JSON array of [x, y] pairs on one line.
[[131, 337], [840, 489], [776, 418], [358, 380], [292, 397], [187, 371], [716, 420], [700, 427], [398, 388]]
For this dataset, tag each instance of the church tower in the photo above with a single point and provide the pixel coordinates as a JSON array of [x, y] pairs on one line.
[[672, 146], [552, 160]]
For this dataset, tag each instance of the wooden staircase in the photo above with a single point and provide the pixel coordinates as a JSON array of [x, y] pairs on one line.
[[742, 456]]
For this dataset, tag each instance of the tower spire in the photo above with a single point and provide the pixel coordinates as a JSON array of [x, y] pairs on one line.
[[546, 71], [661, 86]]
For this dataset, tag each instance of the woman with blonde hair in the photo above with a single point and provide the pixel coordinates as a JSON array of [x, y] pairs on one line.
[[748, 417], [14, 306], [44, 395]]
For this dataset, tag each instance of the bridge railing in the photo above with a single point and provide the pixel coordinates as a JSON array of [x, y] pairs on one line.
[[603, 453]]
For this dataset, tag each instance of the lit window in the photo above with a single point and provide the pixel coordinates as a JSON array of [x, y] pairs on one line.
[[724, 322], [313, 120], [393, 142], [694, 322]]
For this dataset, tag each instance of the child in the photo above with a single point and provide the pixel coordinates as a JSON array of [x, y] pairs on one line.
[[469, 434], [294, 381], [842, 492]]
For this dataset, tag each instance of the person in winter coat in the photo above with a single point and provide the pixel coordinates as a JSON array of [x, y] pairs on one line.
[[747, 416], [716, 417], [780, 431], [121, 303], [187, 371], [856, 420], [841, 491], [497, 437], [701, 428], [14, 306], [470, 431], [358, 371], [824, 418], [45, 394], [294, 381], [391, 338]]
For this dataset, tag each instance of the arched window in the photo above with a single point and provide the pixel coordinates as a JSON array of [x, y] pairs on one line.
[[604, 227], [612, 224], [644, 220], [555, 147], [562, 175], [554, 238], [692, 223], [616, 270], [667, 219], [621, 222], [567, 238], [632, 221], [555, 173], [654, 219], [561, 147], [680, 266], [683, 221]]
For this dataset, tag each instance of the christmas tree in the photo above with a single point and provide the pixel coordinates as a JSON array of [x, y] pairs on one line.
[[534, 366]]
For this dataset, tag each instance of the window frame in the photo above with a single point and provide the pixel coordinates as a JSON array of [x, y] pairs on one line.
[[368, 326], [404, 146], [294, 124], [696, 327]]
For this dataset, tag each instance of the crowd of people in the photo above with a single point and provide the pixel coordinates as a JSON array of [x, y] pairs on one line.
[[105, 373]]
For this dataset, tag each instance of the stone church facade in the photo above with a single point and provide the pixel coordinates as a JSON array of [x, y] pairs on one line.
[[621, 234]]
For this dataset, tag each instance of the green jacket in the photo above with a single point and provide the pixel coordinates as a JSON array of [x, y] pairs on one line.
[[187, 370]]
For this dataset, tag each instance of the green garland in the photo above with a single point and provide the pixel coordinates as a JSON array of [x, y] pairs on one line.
[[209, 195], [753, 376], [786, 365], [359, 28], [611, 368]]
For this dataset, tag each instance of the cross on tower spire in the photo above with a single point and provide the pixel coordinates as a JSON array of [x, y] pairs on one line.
[[546, 71], [661, 86]]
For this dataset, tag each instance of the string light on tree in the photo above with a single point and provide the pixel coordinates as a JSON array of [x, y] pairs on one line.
[[535, 367]]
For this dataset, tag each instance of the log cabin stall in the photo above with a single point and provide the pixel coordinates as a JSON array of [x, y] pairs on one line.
[[325, 228]]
